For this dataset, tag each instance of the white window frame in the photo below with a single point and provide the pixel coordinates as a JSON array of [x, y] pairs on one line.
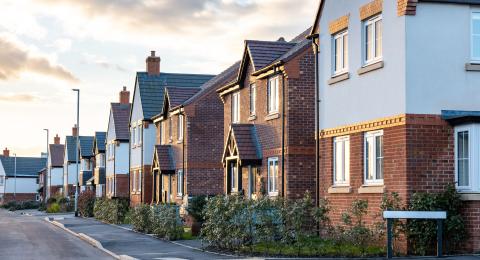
[[134, 181], [272, 187], [139, 182], [234, 180], [253, 99], [345, 141], [180, 183], [134, 135], [139, 133], [170, 129], [374, 181], [472, 35], [376, 57], [162, 132], [180, 127], [344, 52], [473, 162], [272, 95], [236, 107]]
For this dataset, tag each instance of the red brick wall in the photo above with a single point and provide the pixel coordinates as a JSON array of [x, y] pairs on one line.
[[122, 185], [19, 197], [145, 195]]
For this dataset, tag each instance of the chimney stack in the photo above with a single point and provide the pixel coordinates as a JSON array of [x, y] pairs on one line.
[[124, 96], [75, 130], [153, 64], [6, 152], [56, 139]]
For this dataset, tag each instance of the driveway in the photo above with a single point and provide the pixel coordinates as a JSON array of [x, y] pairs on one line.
[[29, 237]]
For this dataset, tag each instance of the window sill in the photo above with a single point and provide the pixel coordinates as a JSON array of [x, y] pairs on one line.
[[371, 189], [272, 116], [273, 194], [470, 196], [472, 67], [252, 117], [179, 141], [339, 189], [338, 78], [371, 67]]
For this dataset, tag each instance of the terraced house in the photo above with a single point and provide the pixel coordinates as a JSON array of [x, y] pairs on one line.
[[189, 141], [269, 146], [97, 181], [399, 102], [117, 150], [87, 161], [70, 163], [147, 103]]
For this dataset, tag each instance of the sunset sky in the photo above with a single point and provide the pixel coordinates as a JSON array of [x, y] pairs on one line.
[[48, 47]]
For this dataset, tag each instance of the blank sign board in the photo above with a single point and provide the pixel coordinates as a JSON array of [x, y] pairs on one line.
[[415, 214]]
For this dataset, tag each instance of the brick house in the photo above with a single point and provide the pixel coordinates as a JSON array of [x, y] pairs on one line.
[[20, 182], [398, 102], [269, 121], [97, 181], [187, 155], [117, 150], [147, 103], [55, 167]]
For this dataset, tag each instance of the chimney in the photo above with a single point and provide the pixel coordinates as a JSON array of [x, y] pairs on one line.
[[6, 152], [75, 130], [153, 64], [56, 139], [124, 96]]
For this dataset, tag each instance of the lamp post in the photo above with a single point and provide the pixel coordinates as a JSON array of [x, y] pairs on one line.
[[46, 187], [76, 154], [15, 178]]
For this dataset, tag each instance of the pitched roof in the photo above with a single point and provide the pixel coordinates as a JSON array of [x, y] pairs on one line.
[[25, 166], [56, 154], [70, 146], [86, 146], [246, 142], [176, 96], [262, 53], [164, 157], [216, 82], [121, 113], [99, 141], [152, 88]]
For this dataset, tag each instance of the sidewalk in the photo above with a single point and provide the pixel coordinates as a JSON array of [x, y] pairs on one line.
[[140, 246]]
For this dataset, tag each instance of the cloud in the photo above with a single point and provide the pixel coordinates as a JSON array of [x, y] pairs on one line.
[[102, 62], [17, 98], [16, 59]]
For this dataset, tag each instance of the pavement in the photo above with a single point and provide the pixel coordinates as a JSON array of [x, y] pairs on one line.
[[121, 241], [25, 237]]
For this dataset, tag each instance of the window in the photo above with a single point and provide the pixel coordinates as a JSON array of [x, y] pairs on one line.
[[139, 134], [101, 160], [170, 129], [253, 98], [139, 181], [475, 36], [2, 180], [180, 183], [340, 51], [134, 136], [236, 107], [180, 127], [374, 157], [272, 90], [373, 39], [162, 132], [134, 181], [272, 176], [464, 138], [341, 160], [233, 177]]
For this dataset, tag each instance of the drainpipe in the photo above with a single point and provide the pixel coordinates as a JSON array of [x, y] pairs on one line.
[[142, 165], [183, 154], [317, 119], [283, 135], [114, 168], [129, 162]]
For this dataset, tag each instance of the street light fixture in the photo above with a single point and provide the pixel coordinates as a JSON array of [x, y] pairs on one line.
[[76, 155], [15, 178], [46, 189]]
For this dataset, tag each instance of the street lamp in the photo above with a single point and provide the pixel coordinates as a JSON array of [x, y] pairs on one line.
[[15, 178], [46, 189], [76, 155]]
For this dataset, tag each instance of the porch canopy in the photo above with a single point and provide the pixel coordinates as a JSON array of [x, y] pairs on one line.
[[456, 117], [242, 144], [163, 159]]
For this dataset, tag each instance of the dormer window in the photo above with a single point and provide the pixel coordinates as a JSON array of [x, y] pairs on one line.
[[373, 33], [272, 100], [340, 52], [475, 37]]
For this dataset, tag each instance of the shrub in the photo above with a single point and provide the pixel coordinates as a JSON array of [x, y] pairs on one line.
[[142, 218], [53, 208], [166, 222], [86, 202], [196, 207], [422, 233], [111, 210], [21, 205]]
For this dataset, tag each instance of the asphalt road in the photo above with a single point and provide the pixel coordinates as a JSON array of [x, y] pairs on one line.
[[26, 237]]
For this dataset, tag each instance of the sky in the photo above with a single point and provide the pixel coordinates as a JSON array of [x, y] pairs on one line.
[[48, 47]]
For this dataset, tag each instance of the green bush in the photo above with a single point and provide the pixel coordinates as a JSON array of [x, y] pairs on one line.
[[166, 222], [422, 233], [21, 205], [196, 207], [142, 218], [53, 208], [86, 202], [111, 210]]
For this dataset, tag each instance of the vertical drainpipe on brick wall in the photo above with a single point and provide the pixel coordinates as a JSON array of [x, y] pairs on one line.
[[314, 37], [129, 161], [283, 135], [183, 153], [114, 172], [142, 165]]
